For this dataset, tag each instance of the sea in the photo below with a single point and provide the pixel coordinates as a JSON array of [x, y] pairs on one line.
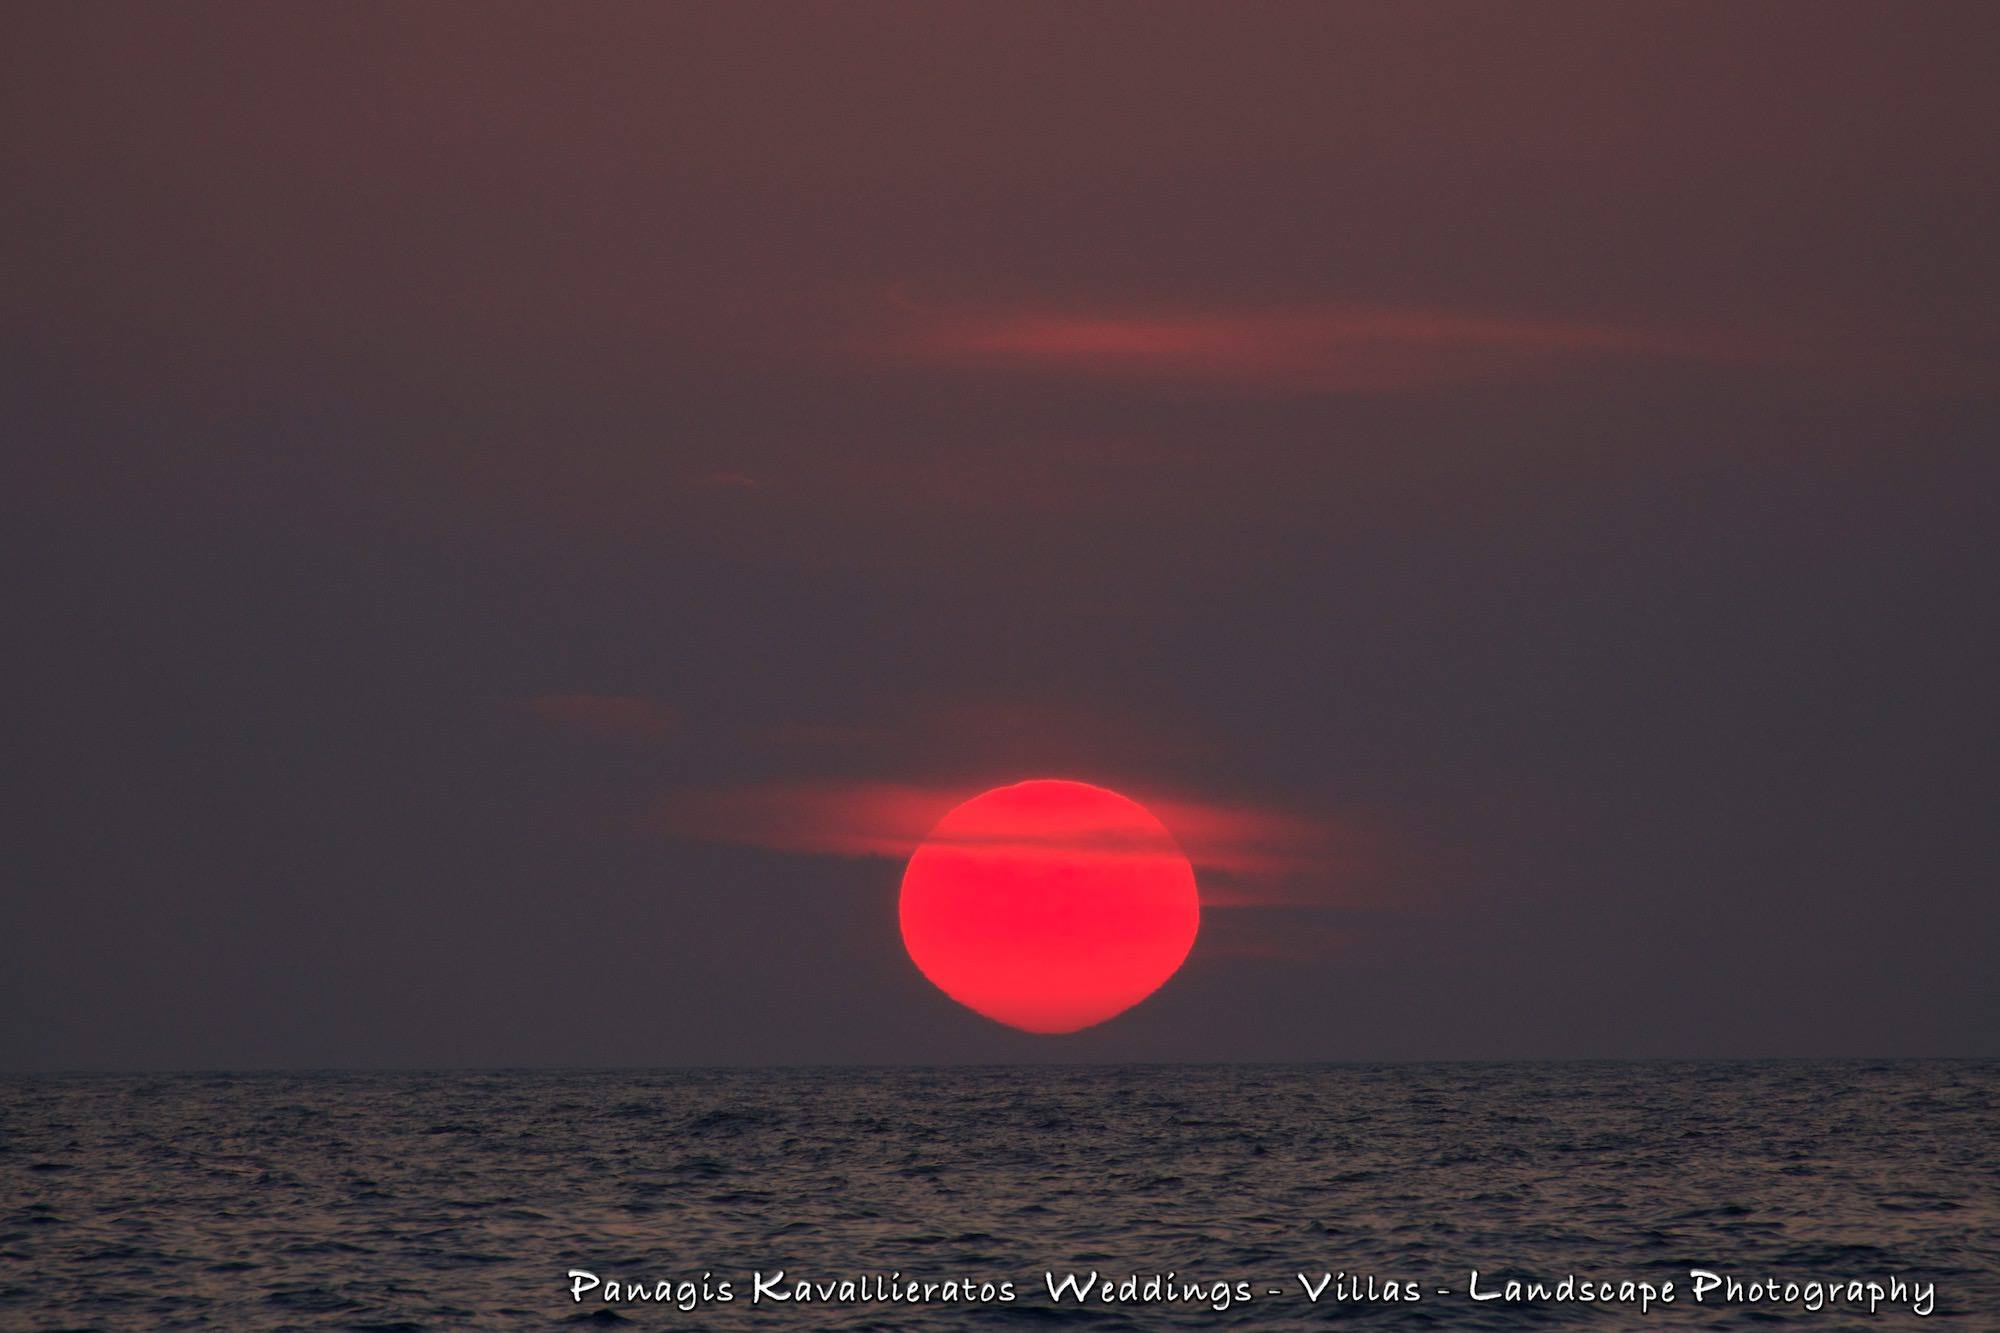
[[1846, 1194]]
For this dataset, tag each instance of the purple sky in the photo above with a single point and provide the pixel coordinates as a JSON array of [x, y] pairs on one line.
[[517, 511]]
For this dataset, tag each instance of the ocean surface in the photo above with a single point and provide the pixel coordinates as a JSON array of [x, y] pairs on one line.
[[463, 1200]]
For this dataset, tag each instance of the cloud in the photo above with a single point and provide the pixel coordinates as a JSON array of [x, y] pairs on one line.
[[1322, 348], [989, 734], [728, 481], [851, 819], [1244, 846], [618, 717]]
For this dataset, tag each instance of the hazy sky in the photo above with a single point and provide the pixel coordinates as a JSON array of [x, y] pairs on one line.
[[516, 513]]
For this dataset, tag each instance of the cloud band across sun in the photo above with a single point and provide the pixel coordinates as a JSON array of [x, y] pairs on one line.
[[889, 820]]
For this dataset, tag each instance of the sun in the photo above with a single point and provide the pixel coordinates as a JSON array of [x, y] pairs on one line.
[[1049, 905]]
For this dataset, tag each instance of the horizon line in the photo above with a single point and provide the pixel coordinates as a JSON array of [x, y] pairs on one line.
[[241, 1071]]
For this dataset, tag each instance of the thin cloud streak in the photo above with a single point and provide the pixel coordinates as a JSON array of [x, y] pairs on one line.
[[1326, 348], [888, 820]]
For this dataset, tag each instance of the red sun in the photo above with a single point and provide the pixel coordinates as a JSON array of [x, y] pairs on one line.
[[1048, 905]]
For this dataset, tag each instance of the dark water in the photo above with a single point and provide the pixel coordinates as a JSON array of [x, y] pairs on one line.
[[460, 1200]]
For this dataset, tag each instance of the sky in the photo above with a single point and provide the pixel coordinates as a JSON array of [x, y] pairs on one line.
[[520, 516]]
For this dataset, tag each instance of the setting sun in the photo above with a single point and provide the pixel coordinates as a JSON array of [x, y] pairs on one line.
[[1049, 906]]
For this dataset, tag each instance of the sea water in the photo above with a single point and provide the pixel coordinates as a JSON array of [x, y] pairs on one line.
[[936, 1198]]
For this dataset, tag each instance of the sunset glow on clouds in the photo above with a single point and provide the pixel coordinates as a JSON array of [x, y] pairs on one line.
[[1323, 347], [1247, 854]]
